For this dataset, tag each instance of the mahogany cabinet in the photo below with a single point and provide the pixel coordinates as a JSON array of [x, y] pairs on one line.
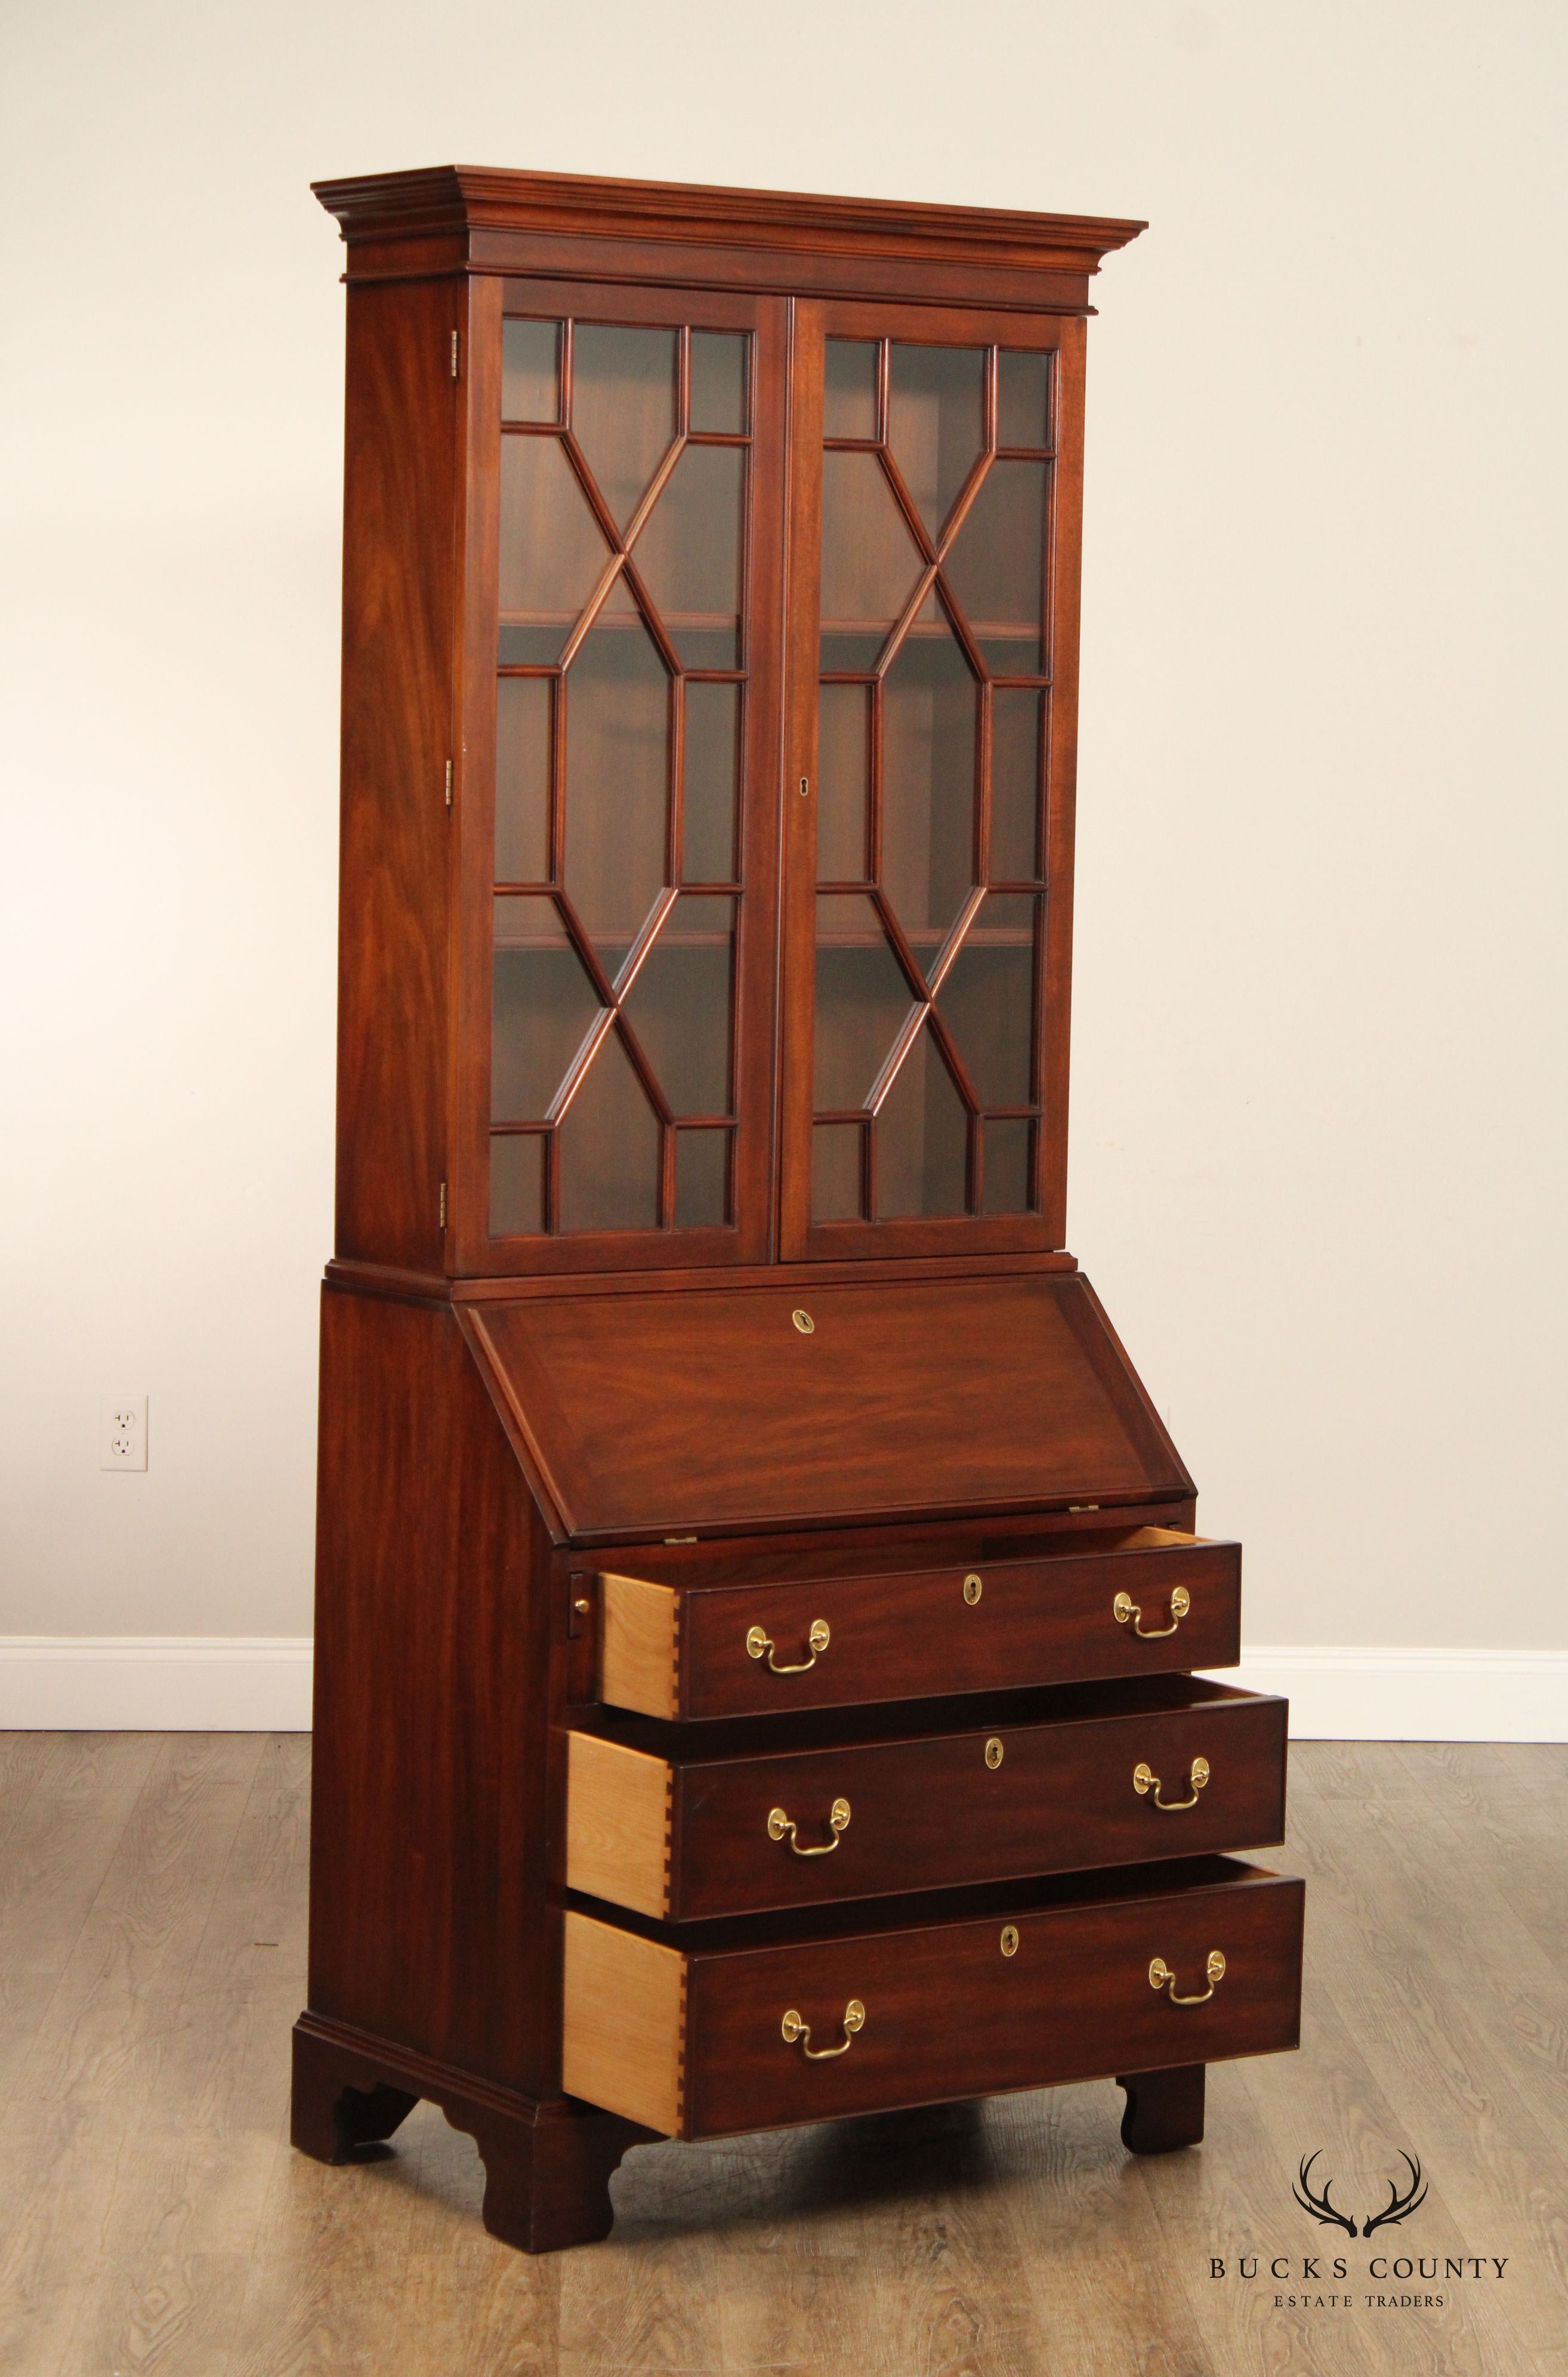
[[758, 1601]]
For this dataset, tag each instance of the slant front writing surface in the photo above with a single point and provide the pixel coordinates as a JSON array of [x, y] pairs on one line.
[[933, 720], [622, 683], [715, 1408]]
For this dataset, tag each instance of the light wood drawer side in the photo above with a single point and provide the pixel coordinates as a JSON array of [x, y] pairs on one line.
[[623, 2040], [617, 1824], [639, 1650]]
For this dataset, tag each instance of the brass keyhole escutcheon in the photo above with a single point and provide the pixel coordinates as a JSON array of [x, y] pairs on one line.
[[1145, 1780], [1010, 1938], [973, 1589], [803, 1321], [993, 1753]]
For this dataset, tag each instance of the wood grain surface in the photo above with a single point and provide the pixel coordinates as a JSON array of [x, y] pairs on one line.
[[981, 1800], [900, 1633], [152, 1895], [721, 1410]]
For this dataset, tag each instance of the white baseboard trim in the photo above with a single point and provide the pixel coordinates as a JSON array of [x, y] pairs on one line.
[[1345, 1693], [155, 1683], [230, 1683]]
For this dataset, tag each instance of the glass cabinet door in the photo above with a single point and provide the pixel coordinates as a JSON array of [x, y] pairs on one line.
[[626, 683], [933, 1067]]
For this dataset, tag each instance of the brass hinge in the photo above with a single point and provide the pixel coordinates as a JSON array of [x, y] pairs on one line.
[[443, 1204], [449, 783], [457, 349]]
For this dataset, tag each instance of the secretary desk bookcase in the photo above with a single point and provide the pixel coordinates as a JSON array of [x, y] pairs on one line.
[[757, 1598]]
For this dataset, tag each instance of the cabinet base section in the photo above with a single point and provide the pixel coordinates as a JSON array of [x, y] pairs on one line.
[[547, 2166], [1165, 2109]]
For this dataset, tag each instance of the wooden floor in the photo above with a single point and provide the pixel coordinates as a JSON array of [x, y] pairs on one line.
[[153, 2218]]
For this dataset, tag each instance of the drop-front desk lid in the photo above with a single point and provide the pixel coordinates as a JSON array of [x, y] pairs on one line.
[[682, 1411]]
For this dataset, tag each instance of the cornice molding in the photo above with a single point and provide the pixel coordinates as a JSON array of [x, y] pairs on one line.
[[447, 199]]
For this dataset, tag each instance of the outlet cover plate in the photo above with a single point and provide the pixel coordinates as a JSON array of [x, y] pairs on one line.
[[121, 1432]]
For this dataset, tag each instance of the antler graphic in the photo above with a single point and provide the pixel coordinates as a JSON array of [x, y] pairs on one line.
[[1400, 2206], [1319, 2206]]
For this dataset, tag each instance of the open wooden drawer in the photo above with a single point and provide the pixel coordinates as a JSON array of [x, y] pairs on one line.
[[692, 1822], [724, 1643], [766, 2023]]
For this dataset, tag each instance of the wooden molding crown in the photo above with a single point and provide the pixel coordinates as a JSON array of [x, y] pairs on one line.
[[443, 200]]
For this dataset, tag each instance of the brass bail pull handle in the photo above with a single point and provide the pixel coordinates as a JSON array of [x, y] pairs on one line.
[[1144, 1781], [761, 1646], [1162, 1977], [1124, 1606], [794, 2028], [781, 1828]]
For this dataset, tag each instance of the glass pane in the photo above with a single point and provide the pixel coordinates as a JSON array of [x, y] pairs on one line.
[[869, 561], [711, 763], [1007, 1148], [609, 1141], [929, 742], [1017, 773], [618, 699], [552, 551], [542, 1005], [988, 999], [703, 1164], [522, 779], [517, 1185], [997, 567], [849, 391], [530, 388], [688, 555], [862, 999], [718, 380], [936, 423], [836, 1148], [623, 408], [1023, 400], [682, 1003], [922, 1138], [844, 755]]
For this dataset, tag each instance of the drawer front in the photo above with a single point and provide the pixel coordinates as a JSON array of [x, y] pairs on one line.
[[988, 1805], [1153, 1602], [704, 2045]]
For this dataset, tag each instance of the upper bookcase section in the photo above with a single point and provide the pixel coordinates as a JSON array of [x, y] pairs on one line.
[[480, 219]]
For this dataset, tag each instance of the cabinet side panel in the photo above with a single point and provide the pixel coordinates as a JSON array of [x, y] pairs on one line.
[[429, 1924], [398, 564]]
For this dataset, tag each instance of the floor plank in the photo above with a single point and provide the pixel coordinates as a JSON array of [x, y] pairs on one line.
[[153, 1896]]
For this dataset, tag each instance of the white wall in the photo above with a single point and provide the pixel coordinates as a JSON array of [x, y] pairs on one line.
[[1318, 1122]]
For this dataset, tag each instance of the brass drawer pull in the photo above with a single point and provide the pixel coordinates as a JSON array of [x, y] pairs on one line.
[[760, 1645], [1162, 1977], [781, 1827], [794, 2028], [1124, 1606], [1144, 1781]]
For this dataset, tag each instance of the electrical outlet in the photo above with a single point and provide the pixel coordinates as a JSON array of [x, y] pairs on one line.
[[121, 1432]]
